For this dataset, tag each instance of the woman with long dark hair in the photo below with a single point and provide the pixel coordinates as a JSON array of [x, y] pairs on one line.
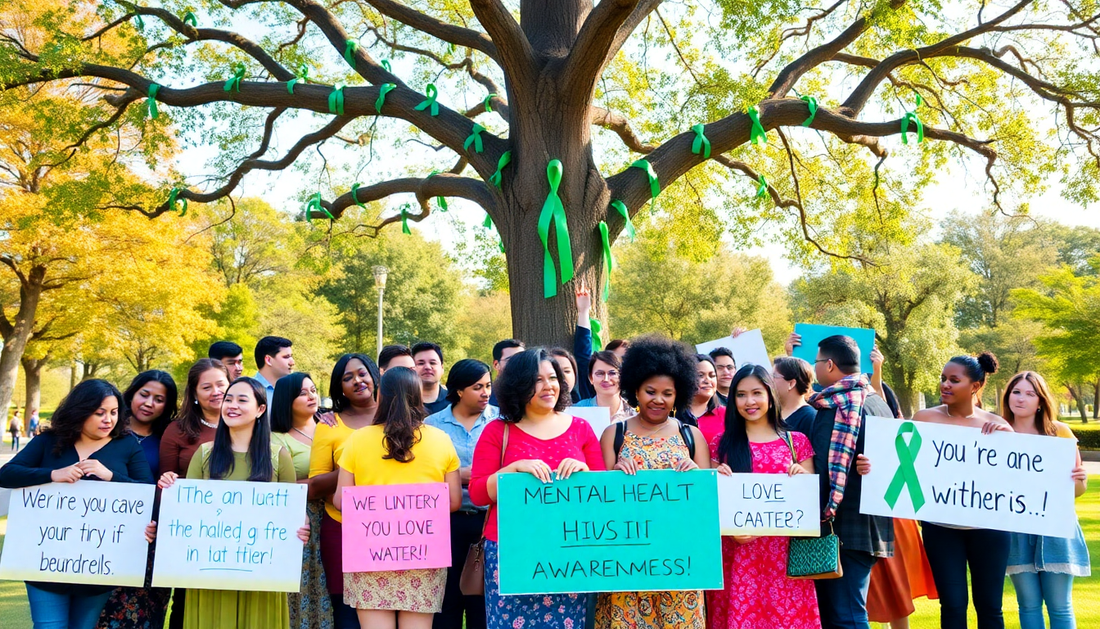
[[399, 449], [353, 387], [241, 451], [88, 438], [198, 418], [757, 593], [151, 402], [704, 409], [294, 405]]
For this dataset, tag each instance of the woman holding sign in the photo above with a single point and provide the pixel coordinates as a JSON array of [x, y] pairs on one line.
[[659, 376], [1042, 568], [399, 449], [87, 439], [758, 593], [533, 436]]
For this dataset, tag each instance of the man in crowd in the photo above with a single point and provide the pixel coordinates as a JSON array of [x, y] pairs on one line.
[[428, 361], [724, 365], [231, 355], [502, 351], [395, 356], [274, 359]]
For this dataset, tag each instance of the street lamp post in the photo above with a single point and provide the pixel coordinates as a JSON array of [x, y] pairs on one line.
[[380, 273]]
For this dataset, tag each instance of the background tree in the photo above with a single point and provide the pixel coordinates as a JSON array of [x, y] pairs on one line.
[[993, 77]]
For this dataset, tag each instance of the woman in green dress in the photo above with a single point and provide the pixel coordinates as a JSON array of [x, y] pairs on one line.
[[242, 450]]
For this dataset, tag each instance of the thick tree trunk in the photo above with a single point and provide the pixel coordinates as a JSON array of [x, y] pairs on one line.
[[32, 376], [1078, 397], [1096, 399], [907, 395], [15, 341]]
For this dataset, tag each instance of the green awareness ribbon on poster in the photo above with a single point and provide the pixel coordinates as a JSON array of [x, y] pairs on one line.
[[625, 213], [303, 77], [762, 190], [597, 328], [757, 135], [554, 212], [189, 18], [488, 102], [700, 145], [811, 103], [234, 82], [441, 201], [151, 102], [906, 476], [350, 46], [475, 139], [654, 185], [382, 91], [911, 116], [314, 203], [386, 65], [504, 160], [405, 220], [432, 93], [605, 243], [173, 198], [336, 100]]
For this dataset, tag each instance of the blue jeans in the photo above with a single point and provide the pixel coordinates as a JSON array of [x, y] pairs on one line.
[[50, 610], [843, 602], [950, 553], [1033, 588]]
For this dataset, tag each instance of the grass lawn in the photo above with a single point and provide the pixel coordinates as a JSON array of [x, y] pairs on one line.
[[14, 613]]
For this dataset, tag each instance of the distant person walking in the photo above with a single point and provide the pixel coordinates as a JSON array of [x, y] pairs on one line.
[[16, 430]]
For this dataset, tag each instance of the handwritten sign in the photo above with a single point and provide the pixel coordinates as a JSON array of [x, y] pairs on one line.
[[814, 334], [230, 535], [955, 475], [598, 417], [609, 532], [397, 527], [747, 348], [84, 532], [769, 504]]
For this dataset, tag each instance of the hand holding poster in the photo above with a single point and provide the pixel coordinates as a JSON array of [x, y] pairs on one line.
[[955, 475], [230, 535], [84, 532], [598, 417], [396, 527], [609, 532], [813, 334], [769, 504]]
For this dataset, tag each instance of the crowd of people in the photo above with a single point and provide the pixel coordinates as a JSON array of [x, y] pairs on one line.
[[399, 421]]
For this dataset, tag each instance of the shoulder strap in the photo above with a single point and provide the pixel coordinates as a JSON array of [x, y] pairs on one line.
[[620, 437], [786, 437], [689, 438], [504, 443]]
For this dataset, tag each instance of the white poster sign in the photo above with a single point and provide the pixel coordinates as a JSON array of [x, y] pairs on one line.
[[748, 348], [230, 535], [958, 476], [89, 532], [599, 417], [769, 504]]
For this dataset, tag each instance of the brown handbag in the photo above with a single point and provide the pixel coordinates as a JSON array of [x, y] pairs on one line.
[[472, 580]]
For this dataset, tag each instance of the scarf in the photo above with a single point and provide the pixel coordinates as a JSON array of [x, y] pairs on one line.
[[846, 396]]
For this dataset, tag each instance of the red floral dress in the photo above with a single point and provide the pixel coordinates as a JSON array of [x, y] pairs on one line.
[[758, 594]]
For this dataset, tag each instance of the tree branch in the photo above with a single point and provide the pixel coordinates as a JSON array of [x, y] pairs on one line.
[[632, 21], [516, 56], [439, 29], [592, 49], [425, 189]]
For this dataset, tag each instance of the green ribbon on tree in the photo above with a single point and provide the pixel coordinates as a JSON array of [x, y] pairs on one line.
[[605, 242], [151, 102], [757, 134], [140, 22], [350, 46], [441, 201], [554, 212], [405, 220], [811, 103], [621, 207], [355, 195], [314, 203], [488, 222], [911, 116], [906, 476], [597, 328], [475, 139], [386, 65], [504, 160], [488, 102], [762, 190], [336, 100], [303, 77], [381, 100], [654, 185], [432, 93], [173, 197], [700, 145], [234, 82], [189, 18]]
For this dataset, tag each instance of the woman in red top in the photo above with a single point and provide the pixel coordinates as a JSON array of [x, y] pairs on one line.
[[542, 441], [705, 410]]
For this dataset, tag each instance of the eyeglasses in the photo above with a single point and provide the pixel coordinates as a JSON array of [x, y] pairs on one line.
[[726, 367], [822, 360], [600, 375]]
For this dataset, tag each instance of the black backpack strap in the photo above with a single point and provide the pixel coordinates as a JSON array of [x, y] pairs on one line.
[[689, 438], [620, 437]]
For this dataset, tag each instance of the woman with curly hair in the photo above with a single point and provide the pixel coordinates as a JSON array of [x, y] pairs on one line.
[[659, 375], [534, 436]]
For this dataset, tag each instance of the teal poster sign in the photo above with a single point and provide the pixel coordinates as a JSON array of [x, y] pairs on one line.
[[813, 334], [609, 532]]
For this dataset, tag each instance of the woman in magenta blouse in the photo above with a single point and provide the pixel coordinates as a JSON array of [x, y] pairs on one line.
[[542, 441]]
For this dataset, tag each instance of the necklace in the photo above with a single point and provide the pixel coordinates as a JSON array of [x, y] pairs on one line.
[[139, 438], [303, 434], [207, 424]]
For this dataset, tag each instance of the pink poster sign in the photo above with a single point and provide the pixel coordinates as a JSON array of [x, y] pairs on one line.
[[396, 527]]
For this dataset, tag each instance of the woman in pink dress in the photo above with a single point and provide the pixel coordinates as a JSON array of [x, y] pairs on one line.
[[758, 594]]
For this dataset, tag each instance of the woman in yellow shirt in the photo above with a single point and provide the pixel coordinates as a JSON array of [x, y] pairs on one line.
[[398, 449]]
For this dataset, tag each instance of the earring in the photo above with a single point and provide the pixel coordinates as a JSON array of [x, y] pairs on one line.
[[196, 402]]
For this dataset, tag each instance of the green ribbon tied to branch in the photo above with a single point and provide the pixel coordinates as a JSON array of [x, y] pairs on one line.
[[757, 135], [911, 116], [762, 187], [654, 185], [625, 213], [488, 102], [381, 100], [475, 139], [139, 22], [173, 198], [488, 222], [906, 476], [605, 243], [355, 195], [151, 101], [432, 93], [189, 18], [554, 212], [811, 104], [336, 100], [303, 77], [700, 145], [386, 65], [405, 220], [350, 47], [497, 176], [441, 201], [314, 203], [234, 82], [597, 328]]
